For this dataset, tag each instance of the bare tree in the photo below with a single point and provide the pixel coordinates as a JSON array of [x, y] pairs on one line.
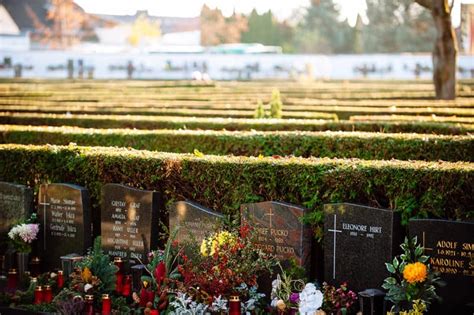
[[445, 48]]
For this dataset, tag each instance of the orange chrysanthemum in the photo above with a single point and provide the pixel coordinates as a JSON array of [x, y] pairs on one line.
[[86, 275], [415, 272]]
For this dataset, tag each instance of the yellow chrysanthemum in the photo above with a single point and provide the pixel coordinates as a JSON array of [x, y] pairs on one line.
[[225, 237], [204, 248], [214, 246], [415, 272], [86, 275]]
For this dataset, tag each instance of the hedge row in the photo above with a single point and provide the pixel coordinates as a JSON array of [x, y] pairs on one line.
[[416, 189], [413, 118], [369, 146], [310, 112], [163, 111], [165, 122]]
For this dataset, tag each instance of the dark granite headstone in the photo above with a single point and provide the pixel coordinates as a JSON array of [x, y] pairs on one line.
[[195, 221], [65, 216], [130, 221], [358, 241], [279, 230], [450, 245], [16, 203]]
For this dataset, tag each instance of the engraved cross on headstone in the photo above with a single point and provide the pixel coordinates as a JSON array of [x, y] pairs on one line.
[[424, 246], [270, 214], [44, 204], [334, 231]]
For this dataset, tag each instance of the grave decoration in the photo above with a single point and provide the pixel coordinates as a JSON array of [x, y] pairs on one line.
[[16, 202], [293, 295], [218, 276], [412, 283], [21, 237]]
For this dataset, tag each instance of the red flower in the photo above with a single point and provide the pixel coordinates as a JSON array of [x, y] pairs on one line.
[[160, 272]]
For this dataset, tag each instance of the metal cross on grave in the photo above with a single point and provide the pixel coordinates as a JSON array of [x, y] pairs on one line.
[[270, 214], [334, 231], [44, 204], [424, 247]]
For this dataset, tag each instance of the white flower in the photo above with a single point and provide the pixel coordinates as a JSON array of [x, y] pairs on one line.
[[87, 287], [311, 300], [26, 232], [219, 304]]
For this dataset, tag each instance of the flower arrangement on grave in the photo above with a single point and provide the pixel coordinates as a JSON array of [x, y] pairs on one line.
[[162, 277], [23, 234], [226, 264], [94, 275], [338, 300], [291, 295], [412, 284]]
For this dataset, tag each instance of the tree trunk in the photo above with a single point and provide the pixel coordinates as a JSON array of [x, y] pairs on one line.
[[444, 52]]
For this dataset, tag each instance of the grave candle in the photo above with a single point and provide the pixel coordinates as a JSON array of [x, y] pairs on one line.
[[47, 294], [89, 304], [127, 287], [2, 264], [118, 262], [234, 305], [35, 266], [106, 304], [60, 279], [38, 295], [12, 281], [154, 312]]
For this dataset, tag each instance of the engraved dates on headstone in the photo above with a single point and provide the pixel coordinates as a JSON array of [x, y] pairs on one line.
[[279, 230], [450, 245], [195, 222], [358, 241], [129, 221], [65, 217], [16, 203]]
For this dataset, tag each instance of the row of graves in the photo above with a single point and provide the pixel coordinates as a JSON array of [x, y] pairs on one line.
[[358, 267]]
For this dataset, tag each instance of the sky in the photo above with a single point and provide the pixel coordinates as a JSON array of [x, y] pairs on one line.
[[190, 8]]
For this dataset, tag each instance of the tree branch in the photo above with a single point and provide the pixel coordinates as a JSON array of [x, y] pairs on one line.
[[425, 3], [451, 7]]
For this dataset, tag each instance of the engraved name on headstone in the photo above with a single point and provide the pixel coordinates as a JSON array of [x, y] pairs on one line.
[[65, 217]]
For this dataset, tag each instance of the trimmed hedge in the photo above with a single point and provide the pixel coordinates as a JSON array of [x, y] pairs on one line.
[[369, 146], [163, 111], [417, 189], [413, 118], [165, 122], [311, 112]]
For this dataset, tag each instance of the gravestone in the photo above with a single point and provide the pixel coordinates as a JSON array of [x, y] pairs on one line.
[[450, 245], [130, 221], [358, 241], [279, 230], [64, 215], [195, 221], [16, 203]]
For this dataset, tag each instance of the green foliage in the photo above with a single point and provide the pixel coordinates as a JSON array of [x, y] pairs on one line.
[[164, 122], [265, 29], [365, 146], [397, 26], [400, 291], [100, 265], [260, 110], [224, 183], [276, 105], [321, 31]]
